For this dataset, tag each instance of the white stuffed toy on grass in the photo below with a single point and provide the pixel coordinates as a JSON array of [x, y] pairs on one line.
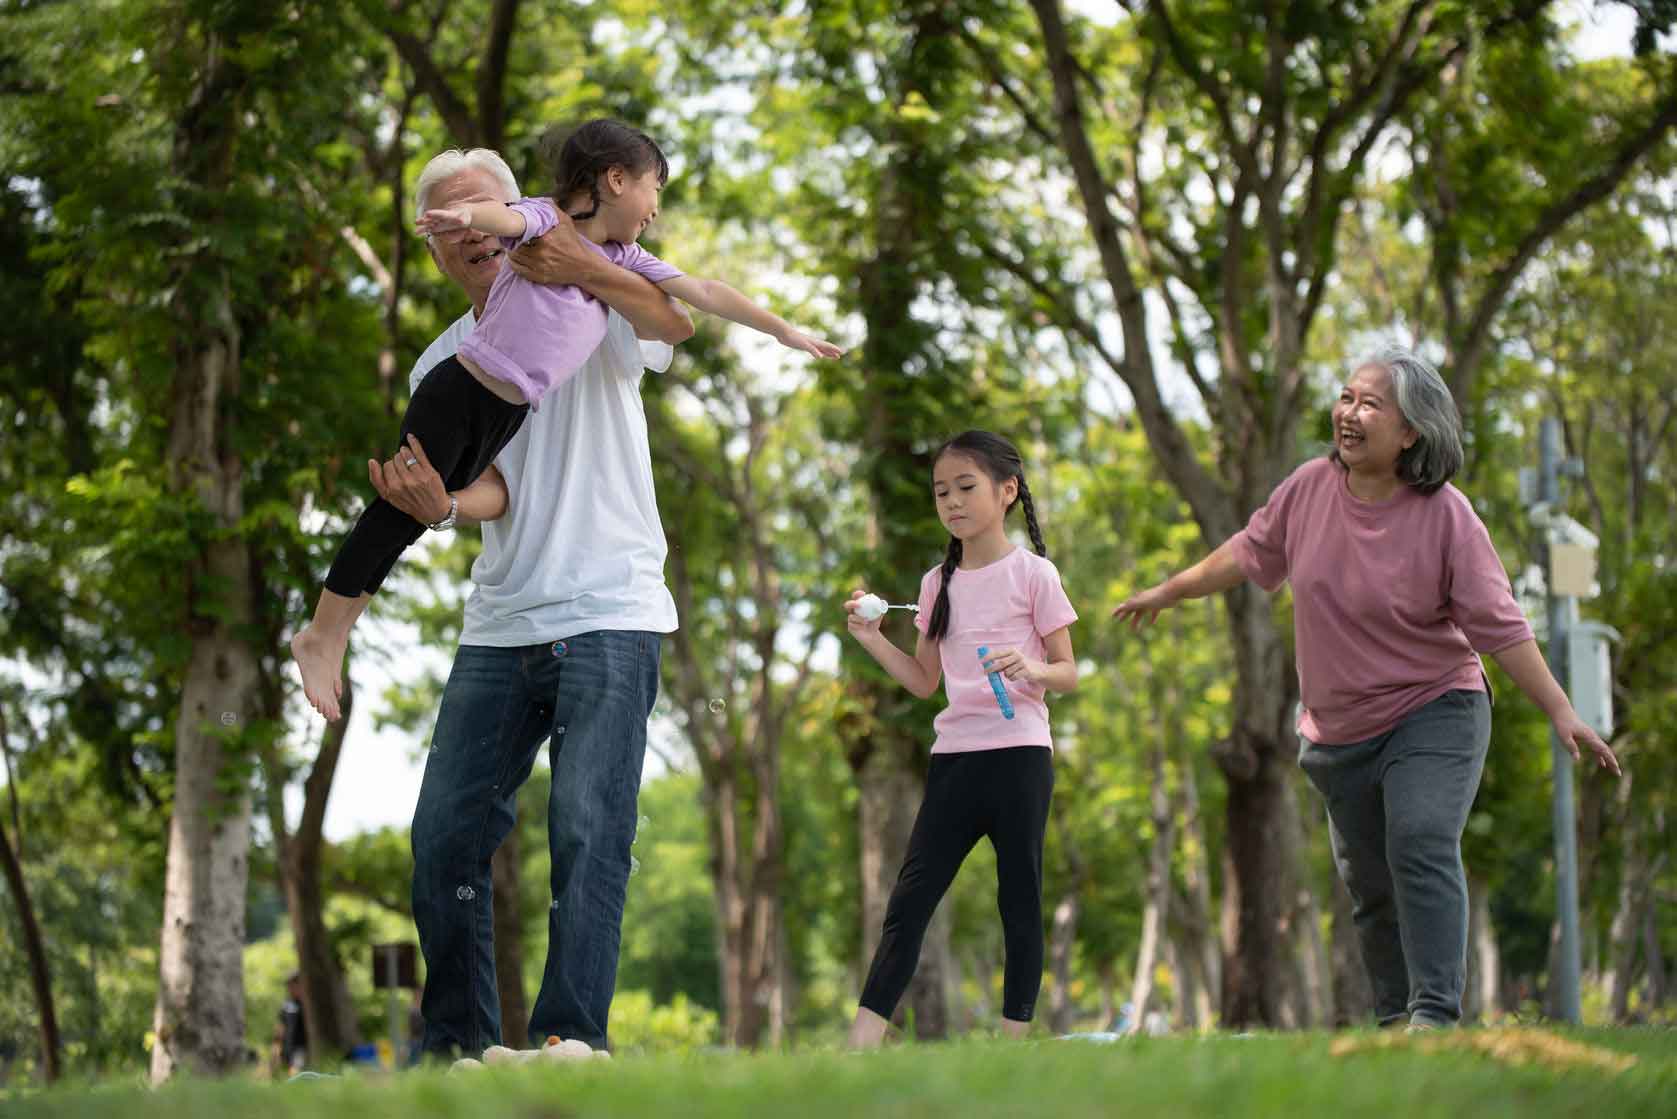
[[554, 1049]]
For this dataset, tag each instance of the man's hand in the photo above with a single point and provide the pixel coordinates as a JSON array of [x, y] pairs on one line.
[[411, 484], [557, 257]]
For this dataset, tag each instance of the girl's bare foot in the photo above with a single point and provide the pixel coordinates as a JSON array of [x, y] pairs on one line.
[[867, 1031], [322, 662]]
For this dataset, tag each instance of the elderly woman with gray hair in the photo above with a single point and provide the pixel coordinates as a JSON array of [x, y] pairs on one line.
[[1396, 591]]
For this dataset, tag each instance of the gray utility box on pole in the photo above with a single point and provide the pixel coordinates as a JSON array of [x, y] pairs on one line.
[[1589, 671]]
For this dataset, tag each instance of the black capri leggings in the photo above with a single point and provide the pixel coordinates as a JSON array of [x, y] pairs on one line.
[[1002, 794], [462, 426]]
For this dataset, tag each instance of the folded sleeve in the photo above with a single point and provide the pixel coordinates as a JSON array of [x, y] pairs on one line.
[[929, 585], [1050, 608], [641, 262], [540, 215], [1261, 547], [1479, 598]]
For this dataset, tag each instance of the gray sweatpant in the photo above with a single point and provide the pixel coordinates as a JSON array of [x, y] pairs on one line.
[[1397, 804]]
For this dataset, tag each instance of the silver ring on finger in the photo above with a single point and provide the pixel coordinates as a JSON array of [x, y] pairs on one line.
[[411, 462]]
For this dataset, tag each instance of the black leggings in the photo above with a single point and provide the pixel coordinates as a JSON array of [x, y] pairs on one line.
[[462, 426], [1002, 794]]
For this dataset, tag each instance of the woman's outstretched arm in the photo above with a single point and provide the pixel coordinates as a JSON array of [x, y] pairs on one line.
[[1217, 572]]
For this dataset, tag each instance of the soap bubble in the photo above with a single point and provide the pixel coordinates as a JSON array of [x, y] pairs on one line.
[[639, 824], [717, 706], [634, 866]]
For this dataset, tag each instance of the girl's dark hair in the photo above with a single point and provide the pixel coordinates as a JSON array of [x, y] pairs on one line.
[[1000, 460], [581, 156]]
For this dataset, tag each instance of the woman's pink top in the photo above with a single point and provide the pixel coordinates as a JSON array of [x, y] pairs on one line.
[[1392, 600]]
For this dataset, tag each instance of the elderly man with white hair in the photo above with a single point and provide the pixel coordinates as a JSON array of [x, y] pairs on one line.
[[561, 639], [1397, 589]]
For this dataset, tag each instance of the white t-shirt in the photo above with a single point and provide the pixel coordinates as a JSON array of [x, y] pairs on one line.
[[581, 546]]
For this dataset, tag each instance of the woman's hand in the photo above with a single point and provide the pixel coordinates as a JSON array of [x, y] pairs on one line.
[[1574, 732], [861, 628], [1143, 608], [1014, 665]]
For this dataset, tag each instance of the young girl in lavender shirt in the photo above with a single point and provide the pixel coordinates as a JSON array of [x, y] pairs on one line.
[[531, 339], [1397, 590], [991, 773]]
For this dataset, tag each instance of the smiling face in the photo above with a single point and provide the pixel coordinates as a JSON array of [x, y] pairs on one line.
[[469, 258], [629, 202], [969, 502], [1369, 431]]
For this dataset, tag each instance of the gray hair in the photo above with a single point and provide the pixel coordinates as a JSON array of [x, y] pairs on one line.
[[1424, 401], [450, 163]]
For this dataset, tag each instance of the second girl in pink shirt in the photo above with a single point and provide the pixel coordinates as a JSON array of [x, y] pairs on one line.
[[992, 770]]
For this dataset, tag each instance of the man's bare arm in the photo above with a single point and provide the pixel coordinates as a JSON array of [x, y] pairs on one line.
[[560, 257]]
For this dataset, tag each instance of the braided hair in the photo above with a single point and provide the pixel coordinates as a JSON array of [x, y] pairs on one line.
[[999, 459], [580, 157]]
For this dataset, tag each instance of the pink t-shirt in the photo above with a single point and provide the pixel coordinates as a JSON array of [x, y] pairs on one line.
[[1392, 600], [536, 336], [1009, 604]]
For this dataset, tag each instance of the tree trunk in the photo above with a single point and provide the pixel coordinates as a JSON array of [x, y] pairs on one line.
[[1484, 960], [1353, 995], [890, 797], [1626, 928], [730, 908], [1062, 940], [763, 990], [35, 949], [508, 924], [200, 1014], [1262, 820], [199, 1023], [1156, 906], [200, 1017], [1315, 1006], [983, 969], [327, 1009], [1194, 915], [1315, 972], [1653, 965], [1109, 994]]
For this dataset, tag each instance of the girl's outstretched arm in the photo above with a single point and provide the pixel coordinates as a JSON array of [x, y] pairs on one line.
[[485, 217], [719, 299], [1217, 572], [920, 674]]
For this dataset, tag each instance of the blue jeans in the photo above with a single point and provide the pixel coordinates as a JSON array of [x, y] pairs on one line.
[[588, 697], [1397, 805]]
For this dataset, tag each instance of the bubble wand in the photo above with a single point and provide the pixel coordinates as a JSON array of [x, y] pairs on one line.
[[871, 606]]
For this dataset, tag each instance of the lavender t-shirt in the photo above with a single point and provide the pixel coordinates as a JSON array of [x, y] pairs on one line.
[[1392, 600], [536, 336], [1009, 604]]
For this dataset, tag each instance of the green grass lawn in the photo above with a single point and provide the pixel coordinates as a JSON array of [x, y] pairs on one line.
[[1462, 1075]]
